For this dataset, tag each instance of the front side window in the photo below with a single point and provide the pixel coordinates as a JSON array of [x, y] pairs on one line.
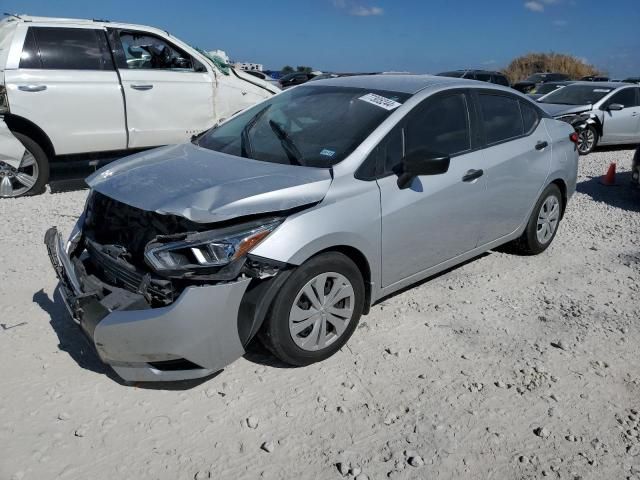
[[65, 49], [501, 117], [626, 98], [143, 51], [441, 126], [314, 126]]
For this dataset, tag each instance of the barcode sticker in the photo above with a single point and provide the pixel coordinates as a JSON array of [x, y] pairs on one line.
[[380, 101]]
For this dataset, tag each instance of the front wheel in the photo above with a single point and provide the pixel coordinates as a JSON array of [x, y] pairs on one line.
[[32, 174], [316, 311], [543, 223], [587, 140]]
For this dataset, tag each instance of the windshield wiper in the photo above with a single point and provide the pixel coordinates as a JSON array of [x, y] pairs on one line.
[[246, 150], [292, 151]]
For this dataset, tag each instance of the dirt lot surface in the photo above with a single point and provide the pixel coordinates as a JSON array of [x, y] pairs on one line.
[[507, 367]]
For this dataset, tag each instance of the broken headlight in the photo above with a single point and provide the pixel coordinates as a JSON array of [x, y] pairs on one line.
[[206, 250]]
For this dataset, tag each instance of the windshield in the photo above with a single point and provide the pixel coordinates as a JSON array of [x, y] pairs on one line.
[[547, 88], [314, 126], [577, 95], [535, 78]]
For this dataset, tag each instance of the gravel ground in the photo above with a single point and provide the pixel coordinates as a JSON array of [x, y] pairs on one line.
[[506, 367]]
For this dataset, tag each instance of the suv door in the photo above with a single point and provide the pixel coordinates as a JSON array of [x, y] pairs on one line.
[[622, 126], [66, 84], [438, 217], [169, 94], [517, 160]]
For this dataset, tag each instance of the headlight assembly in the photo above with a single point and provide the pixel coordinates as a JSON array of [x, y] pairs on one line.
[[207, 250]]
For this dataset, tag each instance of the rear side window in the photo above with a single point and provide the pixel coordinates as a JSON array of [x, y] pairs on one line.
[[530, 117], [440, 126], [65, 49], [501, 118], [30, 58]]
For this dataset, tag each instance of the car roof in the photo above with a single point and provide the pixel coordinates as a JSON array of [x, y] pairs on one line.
[[474, 70], [404, 83], [612, 85]]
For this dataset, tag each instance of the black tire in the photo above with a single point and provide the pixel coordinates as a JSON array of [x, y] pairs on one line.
[[275, 333], [528, 243], [582, 137], [41, 159]]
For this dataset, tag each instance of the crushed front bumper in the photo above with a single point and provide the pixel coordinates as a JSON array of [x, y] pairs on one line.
[[195, 336]]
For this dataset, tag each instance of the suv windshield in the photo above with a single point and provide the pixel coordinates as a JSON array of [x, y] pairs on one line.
[[577, 95], [314, 126], [547, 88]]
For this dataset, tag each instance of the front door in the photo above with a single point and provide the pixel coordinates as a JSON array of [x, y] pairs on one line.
[[438, 217], [622, 126], [169, 94]]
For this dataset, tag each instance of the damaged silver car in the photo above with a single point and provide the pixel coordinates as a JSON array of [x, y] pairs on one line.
[[288, 221]]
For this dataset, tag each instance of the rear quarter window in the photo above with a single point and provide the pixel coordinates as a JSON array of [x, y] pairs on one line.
[[530, 117], [30, 57]]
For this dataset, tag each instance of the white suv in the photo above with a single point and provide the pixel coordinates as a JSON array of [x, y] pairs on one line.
[[70, 87]]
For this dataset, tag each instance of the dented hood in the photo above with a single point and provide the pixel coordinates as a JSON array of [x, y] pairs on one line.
[[207, 186]]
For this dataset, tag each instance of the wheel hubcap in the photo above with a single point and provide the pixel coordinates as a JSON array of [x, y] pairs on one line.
[[586, 139], [321, 311], [18, 181], [548, 219]]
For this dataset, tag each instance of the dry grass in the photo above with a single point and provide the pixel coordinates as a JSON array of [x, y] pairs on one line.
[[521, 67]]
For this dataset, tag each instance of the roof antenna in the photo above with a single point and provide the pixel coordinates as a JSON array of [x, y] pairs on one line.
[[13, 15]]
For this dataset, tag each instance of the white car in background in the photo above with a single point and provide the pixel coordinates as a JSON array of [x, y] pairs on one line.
[[69, 88]]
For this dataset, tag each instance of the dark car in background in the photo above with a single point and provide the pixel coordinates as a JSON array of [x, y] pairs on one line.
[[481, 75], [594, 78], [632, 80], [296, 78], [545, 88], [532, 81]]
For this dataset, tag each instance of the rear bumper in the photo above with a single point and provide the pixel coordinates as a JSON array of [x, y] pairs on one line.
[[195, 336]]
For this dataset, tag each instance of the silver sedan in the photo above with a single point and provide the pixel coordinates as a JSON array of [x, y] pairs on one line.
[[290, 220]]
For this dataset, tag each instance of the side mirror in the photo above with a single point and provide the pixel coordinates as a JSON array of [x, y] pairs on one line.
[[422, 162], [615, 107]]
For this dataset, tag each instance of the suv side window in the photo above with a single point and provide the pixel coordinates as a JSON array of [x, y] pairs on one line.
[[501, 117], [626, 97], [501, 80], [144, 51], [483, 77], [65, 49], [440, 125]]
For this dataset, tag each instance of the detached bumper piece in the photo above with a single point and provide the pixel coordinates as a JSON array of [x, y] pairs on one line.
[[192, 337]]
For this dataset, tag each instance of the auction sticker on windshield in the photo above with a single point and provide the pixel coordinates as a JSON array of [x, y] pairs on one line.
[[380, 101]]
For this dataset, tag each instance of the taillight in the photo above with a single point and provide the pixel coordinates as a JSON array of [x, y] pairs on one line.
[[574, 137], [4, 100]]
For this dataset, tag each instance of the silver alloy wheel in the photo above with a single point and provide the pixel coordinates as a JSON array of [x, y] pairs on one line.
[[18, 181], [586, 140], [548, 219], [321, 311]]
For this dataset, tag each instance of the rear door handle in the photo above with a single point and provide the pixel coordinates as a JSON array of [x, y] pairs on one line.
[[32, 88], [542, 145], [142, 87], [471, 175]]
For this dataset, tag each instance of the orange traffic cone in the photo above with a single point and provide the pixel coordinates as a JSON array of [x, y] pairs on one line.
[[609, 179]]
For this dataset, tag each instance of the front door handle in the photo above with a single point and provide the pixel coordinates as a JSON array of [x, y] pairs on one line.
[[471, 175], [542, 145], [32, 88], [142, 87]]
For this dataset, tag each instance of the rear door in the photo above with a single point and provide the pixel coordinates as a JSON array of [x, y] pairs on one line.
[[622, 126], [66, 84], [517, 161], [169, 94]]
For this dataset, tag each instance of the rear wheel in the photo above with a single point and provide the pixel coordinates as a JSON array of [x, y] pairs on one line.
[[587, 140], [32, 174], [543, 223], [316, 311]]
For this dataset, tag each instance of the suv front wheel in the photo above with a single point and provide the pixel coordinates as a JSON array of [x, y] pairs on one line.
[[32, 174]]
